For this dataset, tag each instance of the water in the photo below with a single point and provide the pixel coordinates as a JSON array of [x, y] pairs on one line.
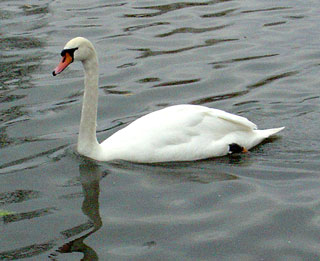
[[258, 59]]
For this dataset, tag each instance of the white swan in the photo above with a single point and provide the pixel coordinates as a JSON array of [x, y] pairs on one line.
[[176, 133]]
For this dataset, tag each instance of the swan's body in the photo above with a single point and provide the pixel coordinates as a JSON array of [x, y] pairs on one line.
[[176, 133]]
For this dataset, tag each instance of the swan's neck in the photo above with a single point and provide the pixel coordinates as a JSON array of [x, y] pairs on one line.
[[87, 140]]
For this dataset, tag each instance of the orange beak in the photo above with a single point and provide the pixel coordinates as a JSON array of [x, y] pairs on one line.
[[244, 150], [65, 61]]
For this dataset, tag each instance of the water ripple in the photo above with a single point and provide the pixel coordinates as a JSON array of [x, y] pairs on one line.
[[258, 59]]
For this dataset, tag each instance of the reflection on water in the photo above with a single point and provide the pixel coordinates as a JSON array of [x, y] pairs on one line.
[[258, 59], [17, 196], [172, 172], [16, 70], [163, 9], [15, 73], [20, 58], [27, 215], [209, 42], [90, 176]]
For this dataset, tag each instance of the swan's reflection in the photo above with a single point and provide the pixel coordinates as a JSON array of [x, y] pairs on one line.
[[153, 175], [90, 175]]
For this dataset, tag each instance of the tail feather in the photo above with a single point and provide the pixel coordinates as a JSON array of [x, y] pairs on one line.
[[269, 132]]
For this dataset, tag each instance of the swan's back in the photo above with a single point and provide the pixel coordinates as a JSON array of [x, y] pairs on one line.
[[180, 133]]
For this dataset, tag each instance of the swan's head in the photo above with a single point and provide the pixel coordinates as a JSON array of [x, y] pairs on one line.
[[77, 49]]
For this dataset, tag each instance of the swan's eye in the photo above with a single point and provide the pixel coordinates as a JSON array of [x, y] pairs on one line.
[[69, 51]]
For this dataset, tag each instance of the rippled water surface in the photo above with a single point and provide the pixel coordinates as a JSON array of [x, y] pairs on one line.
[[258, 59]]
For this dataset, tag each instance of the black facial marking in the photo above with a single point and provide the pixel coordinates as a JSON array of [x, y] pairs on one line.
[[235, 148], [69, 51]]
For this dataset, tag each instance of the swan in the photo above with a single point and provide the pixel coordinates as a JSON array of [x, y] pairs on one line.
[[175, 133]]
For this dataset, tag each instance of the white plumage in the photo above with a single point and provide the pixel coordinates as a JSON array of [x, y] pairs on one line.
[[175, 133]]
